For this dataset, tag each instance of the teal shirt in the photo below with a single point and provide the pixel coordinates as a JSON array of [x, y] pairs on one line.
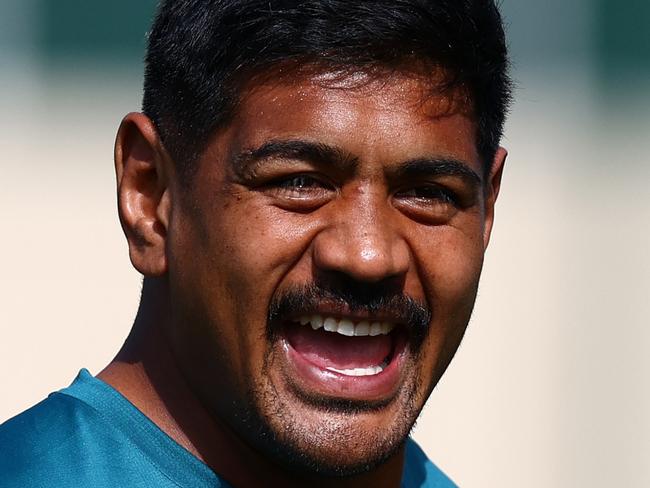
[[89, 435]]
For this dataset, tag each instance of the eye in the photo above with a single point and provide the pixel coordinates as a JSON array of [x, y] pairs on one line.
[[302, 192], [431, 202], [429, 194], [300, 183]]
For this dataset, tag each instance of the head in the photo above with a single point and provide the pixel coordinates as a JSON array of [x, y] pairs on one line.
[[312, 185]]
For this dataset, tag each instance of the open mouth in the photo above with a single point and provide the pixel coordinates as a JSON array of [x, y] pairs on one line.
[[344, 357]]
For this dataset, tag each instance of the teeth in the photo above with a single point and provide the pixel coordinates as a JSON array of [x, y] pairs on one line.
[[386, 327], [362, 328], [316, 322], [375, 329], [331, 324], [346, 327], [369, 371]]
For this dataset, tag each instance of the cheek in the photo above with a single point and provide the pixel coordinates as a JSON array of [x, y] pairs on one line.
[[450, 272], [257, 247], [237, 256], [449, 259], [225, 266], [457, 273]]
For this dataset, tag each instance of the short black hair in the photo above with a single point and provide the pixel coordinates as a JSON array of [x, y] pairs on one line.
[[201, 53]]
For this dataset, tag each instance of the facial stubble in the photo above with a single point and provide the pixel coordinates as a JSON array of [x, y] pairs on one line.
[[333, 444]]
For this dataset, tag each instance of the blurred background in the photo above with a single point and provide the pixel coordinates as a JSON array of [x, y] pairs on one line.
[[551, 387]]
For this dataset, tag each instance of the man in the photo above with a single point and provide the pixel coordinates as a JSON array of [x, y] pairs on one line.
[[309, 194]]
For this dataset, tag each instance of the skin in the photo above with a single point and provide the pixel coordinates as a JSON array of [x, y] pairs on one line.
[[200, 361]]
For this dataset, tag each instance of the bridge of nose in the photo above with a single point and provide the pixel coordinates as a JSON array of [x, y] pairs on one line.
[[361, 238]]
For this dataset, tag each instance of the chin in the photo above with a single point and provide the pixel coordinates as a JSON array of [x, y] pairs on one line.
[[331, 437], [331, 444]]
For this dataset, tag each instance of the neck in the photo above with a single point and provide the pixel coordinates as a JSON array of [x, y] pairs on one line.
[[146, 373]]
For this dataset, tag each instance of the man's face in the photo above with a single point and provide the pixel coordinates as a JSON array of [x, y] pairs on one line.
[[324, 263]]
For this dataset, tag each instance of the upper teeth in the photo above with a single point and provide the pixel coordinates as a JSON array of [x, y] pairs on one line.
[[346, 327]]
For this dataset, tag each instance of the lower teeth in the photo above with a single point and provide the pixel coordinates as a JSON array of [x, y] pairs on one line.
[[369, 371]]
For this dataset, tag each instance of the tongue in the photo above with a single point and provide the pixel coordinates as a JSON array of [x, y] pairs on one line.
[[332, 350]]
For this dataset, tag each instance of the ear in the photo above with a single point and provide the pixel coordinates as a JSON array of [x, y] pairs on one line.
[[493, 185], [142, 168]]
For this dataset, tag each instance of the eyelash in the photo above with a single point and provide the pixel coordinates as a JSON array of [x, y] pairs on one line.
[[435, 192], [301, 190], [286, 183], [305, 192]]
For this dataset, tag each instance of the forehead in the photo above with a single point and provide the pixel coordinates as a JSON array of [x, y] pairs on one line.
[[394, 116]]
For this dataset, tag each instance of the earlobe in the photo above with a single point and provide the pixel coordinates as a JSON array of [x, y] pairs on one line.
[[142, 169], [492, 188]]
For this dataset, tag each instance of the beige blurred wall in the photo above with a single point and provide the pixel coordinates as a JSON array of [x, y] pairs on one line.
[[551, 386]]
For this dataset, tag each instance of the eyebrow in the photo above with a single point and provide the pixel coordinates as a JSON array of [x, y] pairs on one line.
[[316, 152], [423, 167], [325, 154]]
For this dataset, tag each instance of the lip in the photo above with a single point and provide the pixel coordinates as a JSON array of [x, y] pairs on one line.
[[312, 381]]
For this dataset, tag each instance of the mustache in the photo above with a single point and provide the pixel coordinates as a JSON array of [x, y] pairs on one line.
[[405, 310]]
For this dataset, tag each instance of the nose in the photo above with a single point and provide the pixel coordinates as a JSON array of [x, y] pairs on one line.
[[362, 243]]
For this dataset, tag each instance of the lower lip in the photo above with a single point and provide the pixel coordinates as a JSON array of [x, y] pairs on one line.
[[316, 381]]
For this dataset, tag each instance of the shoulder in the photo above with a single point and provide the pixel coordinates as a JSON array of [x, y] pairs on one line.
[[420, 472], [89, 435], [36, 444], [63, 442]]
